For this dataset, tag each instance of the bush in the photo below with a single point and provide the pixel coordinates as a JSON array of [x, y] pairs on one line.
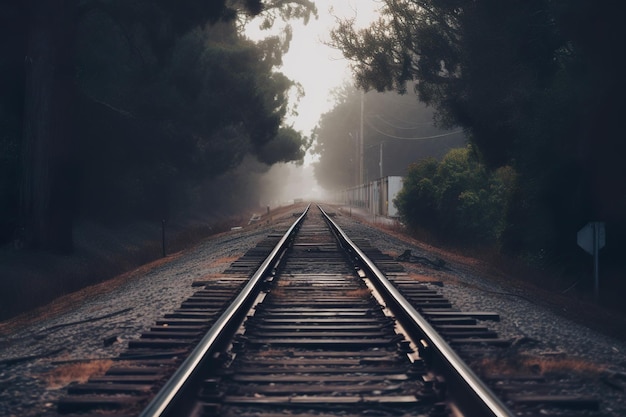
[[457, 198]]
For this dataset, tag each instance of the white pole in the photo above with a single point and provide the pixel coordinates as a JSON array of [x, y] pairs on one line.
[[380, 163], [596, 266], [361, 137]]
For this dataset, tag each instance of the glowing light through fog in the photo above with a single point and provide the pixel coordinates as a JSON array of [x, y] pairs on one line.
[[319, 69], [316, 66]]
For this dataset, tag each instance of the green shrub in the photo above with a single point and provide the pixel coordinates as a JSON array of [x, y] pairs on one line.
[[457, 198]]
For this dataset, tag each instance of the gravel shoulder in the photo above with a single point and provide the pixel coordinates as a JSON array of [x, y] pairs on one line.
[[551, 332], [45, 350], [42, 352]]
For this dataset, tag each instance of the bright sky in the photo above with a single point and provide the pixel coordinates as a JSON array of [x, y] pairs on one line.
[[318, 67]]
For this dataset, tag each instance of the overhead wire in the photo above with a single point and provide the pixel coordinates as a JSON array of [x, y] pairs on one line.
[[411, 138], [412, 127]]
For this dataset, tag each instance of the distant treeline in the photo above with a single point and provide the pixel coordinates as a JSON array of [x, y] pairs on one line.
[[537, 86], [397, 131], [122, 109]]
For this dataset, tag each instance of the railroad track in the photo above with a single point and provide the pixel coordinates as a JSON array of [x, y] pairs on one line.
[[306, 324]]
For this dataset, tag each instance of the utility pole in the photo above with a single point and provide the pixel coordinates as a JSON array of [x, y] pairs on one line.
[[357, 161], [361, 139], [380, 161]]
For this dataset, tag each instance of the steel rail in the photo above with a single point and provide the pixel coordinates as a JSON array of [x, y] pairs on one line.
[[171, 391], [483, 402]]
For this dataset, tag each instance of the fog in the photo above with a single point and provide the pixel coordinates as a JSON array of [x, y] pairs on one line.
[[285, 182]]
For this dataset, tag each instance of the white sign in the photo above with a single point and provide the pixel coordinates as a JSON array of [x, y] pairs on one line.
[[592, 238], [587, 235]]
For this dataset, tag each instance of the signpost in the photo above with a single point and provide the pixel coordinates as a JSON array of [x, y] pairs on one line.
[[592, 238]]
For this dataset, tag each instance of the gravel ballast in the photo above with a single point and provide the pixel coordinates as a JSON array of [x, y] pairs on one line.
[[97, 325]]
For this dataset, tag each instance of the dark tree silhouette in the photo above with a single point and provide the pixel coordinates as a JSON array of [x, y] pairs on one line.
[[147, 93], [536, 84]]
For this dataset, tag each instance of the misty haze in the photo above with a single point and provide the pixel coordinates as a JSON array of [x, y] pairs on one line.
[[488, 134]]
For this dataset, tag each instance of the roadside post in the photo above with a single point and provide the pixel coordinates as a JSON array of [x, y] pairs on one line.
[[163, 236], [592, 238]]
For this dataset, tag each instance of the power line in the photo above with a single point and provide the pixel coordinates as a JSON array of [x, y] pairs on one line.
[[414, 138], [412, 127]]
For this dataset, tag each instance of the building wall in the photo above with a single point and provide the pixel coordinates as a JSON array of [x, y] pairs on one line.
[[375, 196]]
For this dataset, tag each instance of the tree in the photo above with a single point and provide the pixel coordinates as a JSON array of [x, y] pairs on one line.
[[47, 180], [477, 64], [12, 46], [217, 100], [271, 10], [286, 146], [48, 169], [61, 82], [416, 201], [535, 84], [335, 140]]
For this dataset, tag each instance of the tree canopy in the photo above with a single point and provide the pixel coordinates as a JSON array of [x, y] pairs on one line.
[[536, 84], [144, 97]]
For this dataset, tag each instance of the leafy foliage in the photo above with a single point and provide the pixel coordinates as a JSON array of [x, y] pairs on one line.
[[457, 197], [12, 43], [536, 85], [215, 101], [286, 146], [273, 10], [167, 95], [335, 142]]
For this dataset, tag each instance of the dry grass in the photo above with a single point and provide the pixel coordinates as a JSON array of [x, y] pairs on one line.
[[539, 365], [67, 302], [222, 261], [34, 286], [63, 375], [436, 276], [275, 353], [31, 279], [560, 365], [360, 292], [213, 277], [548, 287], [278, 293]]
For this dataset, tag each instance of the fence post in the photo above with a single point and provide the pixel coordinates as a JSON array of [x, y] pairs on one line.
[[163, 236]]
